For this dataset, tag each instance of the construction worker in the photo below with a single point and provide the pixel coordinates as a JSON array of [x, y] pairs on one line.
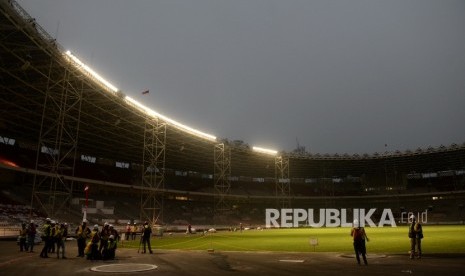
[[104, 234], [146, 235], [31, 236], [82, 233], [46, 237], [22, 238], [128, 231], [51, 248], [109, 252], [94, 240], [60, 236], [114, 232], [134, 231]]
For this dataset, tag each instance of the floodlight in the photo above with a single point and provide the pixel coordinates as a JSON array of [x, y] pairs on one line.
[[155, 114], [266, 151], [90, 71]]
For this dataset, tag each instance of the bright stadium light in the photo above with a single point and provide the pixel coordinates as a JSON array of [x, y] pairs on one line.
[[91, 72], [266, 151], [155, 114]]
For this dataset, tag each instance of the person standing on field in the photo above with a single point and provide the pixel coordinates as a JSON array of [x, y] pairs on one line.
[[61, 233], [31, 236], [23, 238], [82, 233], [134, 231], [46, 237], [146, 235], [359, 236], [128, 231], [415, 233]]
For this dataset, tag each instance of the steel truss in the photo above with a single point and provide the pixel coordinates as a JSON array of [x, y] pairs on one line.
[[283, 182], [58, 138], [153, 171], [221, 176]]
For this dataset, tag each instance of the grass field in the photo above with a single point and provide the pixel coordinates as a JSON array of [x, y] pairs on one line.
[[438, 239]]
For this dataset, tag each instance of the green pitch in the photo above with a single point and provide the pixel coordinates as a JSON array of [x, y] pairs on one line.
[[438, 239]]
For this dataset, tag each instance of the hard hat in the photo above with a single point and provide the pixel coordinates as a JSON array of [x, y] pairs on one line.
[[47, 219], [412, 217], [96, 226], [111, 237], [111, 225], [106, 223], [53, 222], [356, 222], [84, 221]]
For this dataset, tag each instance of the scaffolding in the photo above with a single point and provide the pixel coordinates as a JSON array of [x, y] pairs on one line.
[[58, 138], [153, 171], [222, 175], [282, 182]]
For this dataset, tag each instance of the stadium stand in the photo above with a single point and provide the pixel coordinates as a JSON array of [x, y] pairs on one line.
[[107, 153]]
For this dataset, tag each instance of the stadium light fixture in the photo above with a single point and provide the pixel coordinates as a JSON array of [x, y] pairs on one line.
[[155, 114], [90, 71], [266, 151]]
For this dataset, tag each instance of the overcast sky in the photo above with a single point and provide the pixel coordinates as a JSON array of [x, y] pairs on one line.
[[344, 76]]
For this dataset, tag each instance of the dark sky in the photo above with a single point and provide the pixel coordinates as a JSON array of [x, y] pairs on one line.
[[344, 76]]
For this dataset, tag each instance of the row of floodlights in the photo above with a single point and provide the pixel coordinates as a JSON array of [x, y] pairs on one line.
[[77, 62]]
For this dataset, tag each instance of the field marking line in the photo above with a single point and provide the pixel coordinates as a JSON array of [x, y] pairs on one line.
[[292, 261], [16, 259]]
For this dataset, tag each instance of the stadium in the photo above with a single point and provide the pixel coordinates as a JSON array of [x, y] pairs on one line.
[[64, 128]]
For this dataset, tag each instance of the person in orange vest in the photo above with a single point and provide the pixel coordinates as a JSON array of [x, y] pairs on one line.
[[134, 231]]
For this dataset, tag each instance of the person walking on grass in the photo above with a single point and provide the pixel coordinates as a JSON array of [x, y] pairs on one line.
[[415, 233], [359, 235]]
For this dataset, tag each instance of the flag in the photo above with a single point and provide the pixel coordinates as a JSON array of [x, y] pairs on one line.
[[86, 188], [145, 92]]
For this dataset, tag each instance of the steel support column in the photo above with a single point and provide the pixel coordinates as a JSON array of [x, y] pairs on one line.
[[153, 171], [221, 177], [283, 182]]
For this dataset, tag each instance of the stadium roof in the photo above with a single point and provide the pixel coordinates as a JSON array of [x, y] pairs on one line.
[[112, 127]]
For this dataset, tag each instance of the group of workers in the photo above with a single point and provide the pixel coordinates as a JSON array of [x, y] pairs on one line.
[[94, 243], [97, 243], [53, 235]]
